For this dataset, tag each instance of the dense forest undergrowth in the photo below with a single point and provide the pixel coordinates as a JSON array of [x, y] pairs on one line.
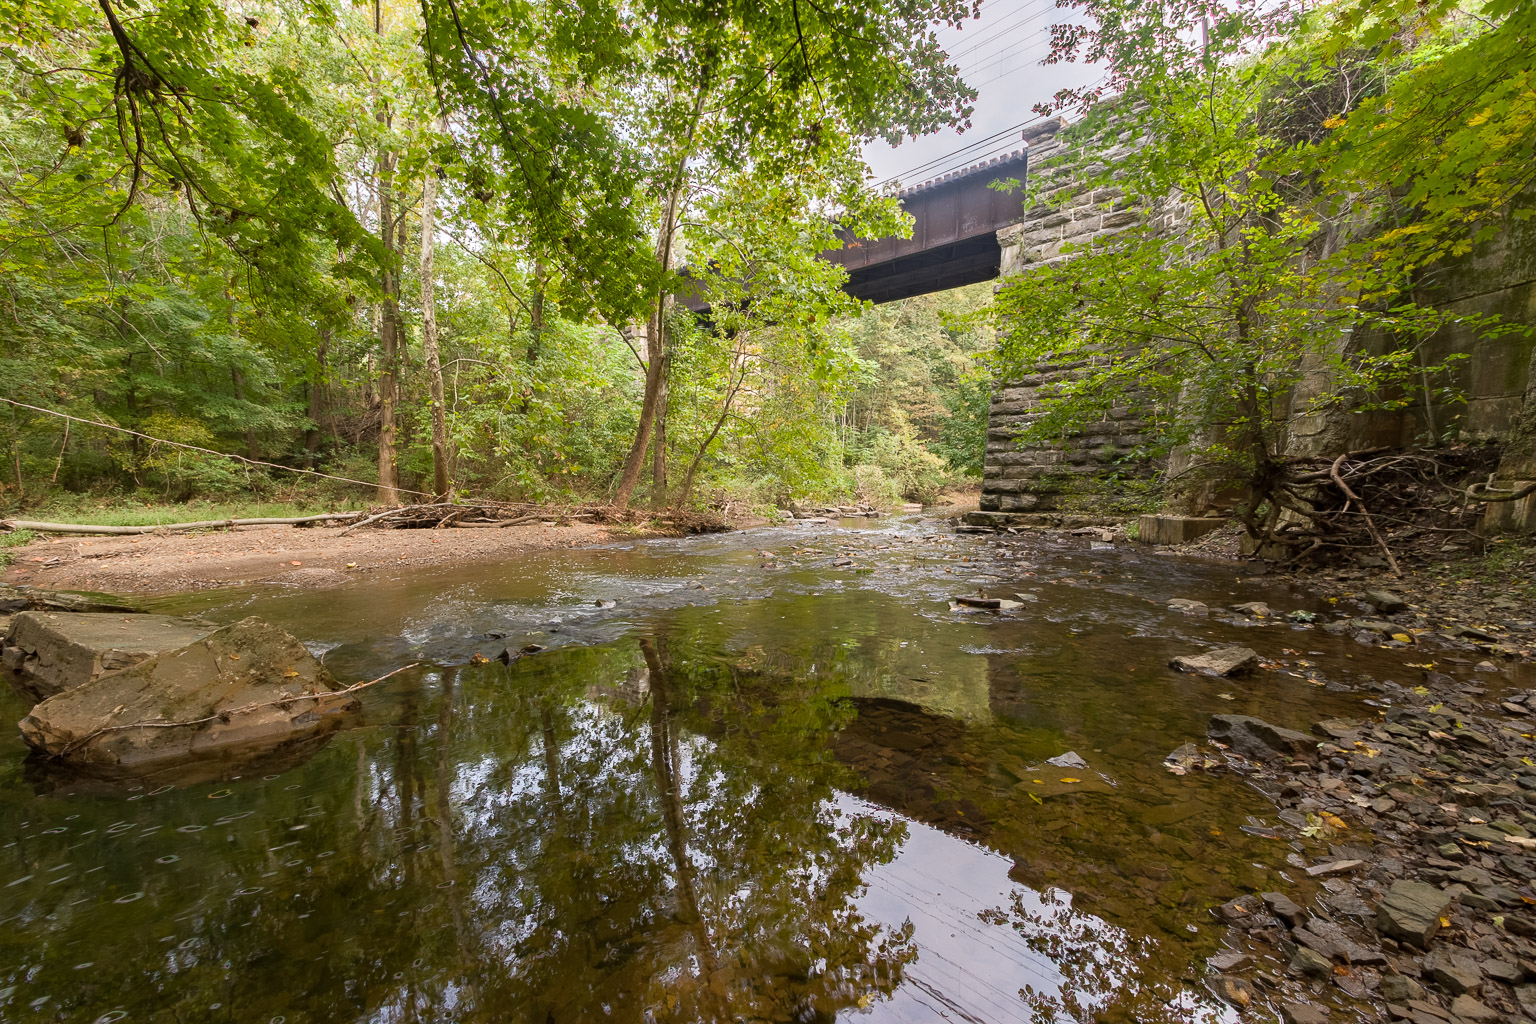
[[904, 422]]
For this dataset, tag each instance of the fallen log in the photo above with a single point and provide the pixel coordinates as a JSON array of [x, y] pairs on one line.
[[496, 525], [7, 525]]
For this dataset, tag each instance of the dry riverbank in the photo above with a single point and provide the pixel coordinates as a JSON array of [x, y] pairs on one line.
[[280, 555]]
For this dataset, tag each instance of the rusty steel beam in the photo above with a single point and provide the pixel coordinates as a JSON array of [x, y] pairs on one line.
[[955, 220]]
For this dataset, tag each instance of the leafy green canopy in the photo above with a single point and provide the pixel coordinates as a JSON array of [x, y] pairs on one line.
[[160, 103], [618, 99]]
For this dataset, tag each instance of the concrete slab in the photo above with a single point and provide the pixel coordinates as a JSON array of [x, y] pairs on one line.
[[49, 652], [1040, 520], [1175, 529]]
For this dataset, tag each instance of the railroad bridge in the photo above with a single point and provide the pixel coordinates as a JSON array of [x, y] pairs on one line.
[[965, 231]]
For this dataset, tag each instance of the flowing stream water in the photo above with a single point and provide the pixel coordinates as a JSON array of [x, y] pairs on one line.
[[768, 775]]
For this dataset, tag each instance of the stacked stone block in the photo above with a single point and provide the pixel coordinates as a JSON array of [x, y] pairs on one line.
[[1071, 473]]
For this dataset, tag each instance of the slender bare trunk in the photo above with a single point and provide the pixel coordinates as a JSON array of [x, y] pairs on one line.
[[659, 438], [238, 379], [441, 484], [535, 333], [536, 316], [316, 400], [738, 359]]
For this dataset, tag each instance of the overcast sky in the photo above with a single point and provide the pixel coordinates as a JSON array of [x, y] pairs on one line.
[[999, 55]]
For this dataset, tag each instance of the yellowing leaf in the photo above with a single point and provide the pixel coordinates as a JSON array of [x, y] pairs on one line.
[[1071, 780], [1037, 800], [1402, 638]]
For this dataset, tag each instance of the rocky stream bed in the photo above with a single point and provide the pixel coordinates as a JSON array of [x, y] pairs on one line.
[[1132, 787]]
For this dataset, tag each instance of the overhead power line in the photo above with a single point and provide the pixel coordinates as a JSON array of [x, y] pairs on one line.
[[965, 155]]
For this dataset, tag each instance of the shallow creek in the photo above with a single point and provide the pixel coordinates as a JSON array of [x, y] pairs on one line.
[[778, 779]]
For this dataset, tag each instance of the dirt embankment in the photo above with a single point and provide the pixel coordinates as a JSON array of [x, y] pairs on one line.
[[314, 556]]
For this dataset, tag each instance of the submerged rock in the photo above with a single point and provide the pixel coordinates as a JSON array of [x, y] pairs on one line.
[[1188, 606], [47, 653], [249, 688], [1223, 661], [18, 599], [1258, 740]]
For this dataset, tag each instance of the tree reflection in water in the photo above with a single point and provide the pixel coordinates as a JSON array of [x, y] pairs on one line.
[[640, 831], [499, 846]]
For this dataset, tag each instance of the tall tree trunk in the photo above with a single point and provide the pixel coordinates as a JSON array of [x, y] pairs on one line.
[[441, 484], [535, 333], [536, 316], [389, 320], [238, 379], [659, 438], [316, 400], [656, 324], [635, 461]]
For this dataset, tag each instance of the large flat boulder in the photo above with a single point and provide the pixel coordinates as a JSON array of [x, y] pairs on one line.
[[248, 689], [1223, 661], [1258, 740], [47, 652]]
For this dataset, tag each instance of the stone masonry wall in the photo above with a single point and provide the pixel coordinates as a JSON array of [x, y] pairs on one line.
[[1497, 379], [1071, 474]]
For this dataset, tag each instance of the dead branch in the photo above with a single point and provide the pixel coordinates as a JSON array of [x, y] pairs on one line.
[[225, 715], [7, 525], [1370, 524]]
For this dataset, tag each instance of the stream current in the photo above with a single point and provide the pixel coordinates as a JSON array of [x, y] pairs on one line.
[[768, 775]]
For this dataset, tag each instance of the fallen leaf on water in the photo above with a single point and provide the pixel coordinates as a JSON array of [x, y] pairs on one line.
[[290, 673], [1332, 819], [1037, 800], [351, 565], [234, 657], [1400, 637], [295, 563], [1071, 780], [1226, 696]]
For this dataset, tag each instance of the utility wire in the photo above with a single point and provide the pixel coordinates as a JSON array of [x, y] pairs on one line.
[[205, 451], [990, 140]]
